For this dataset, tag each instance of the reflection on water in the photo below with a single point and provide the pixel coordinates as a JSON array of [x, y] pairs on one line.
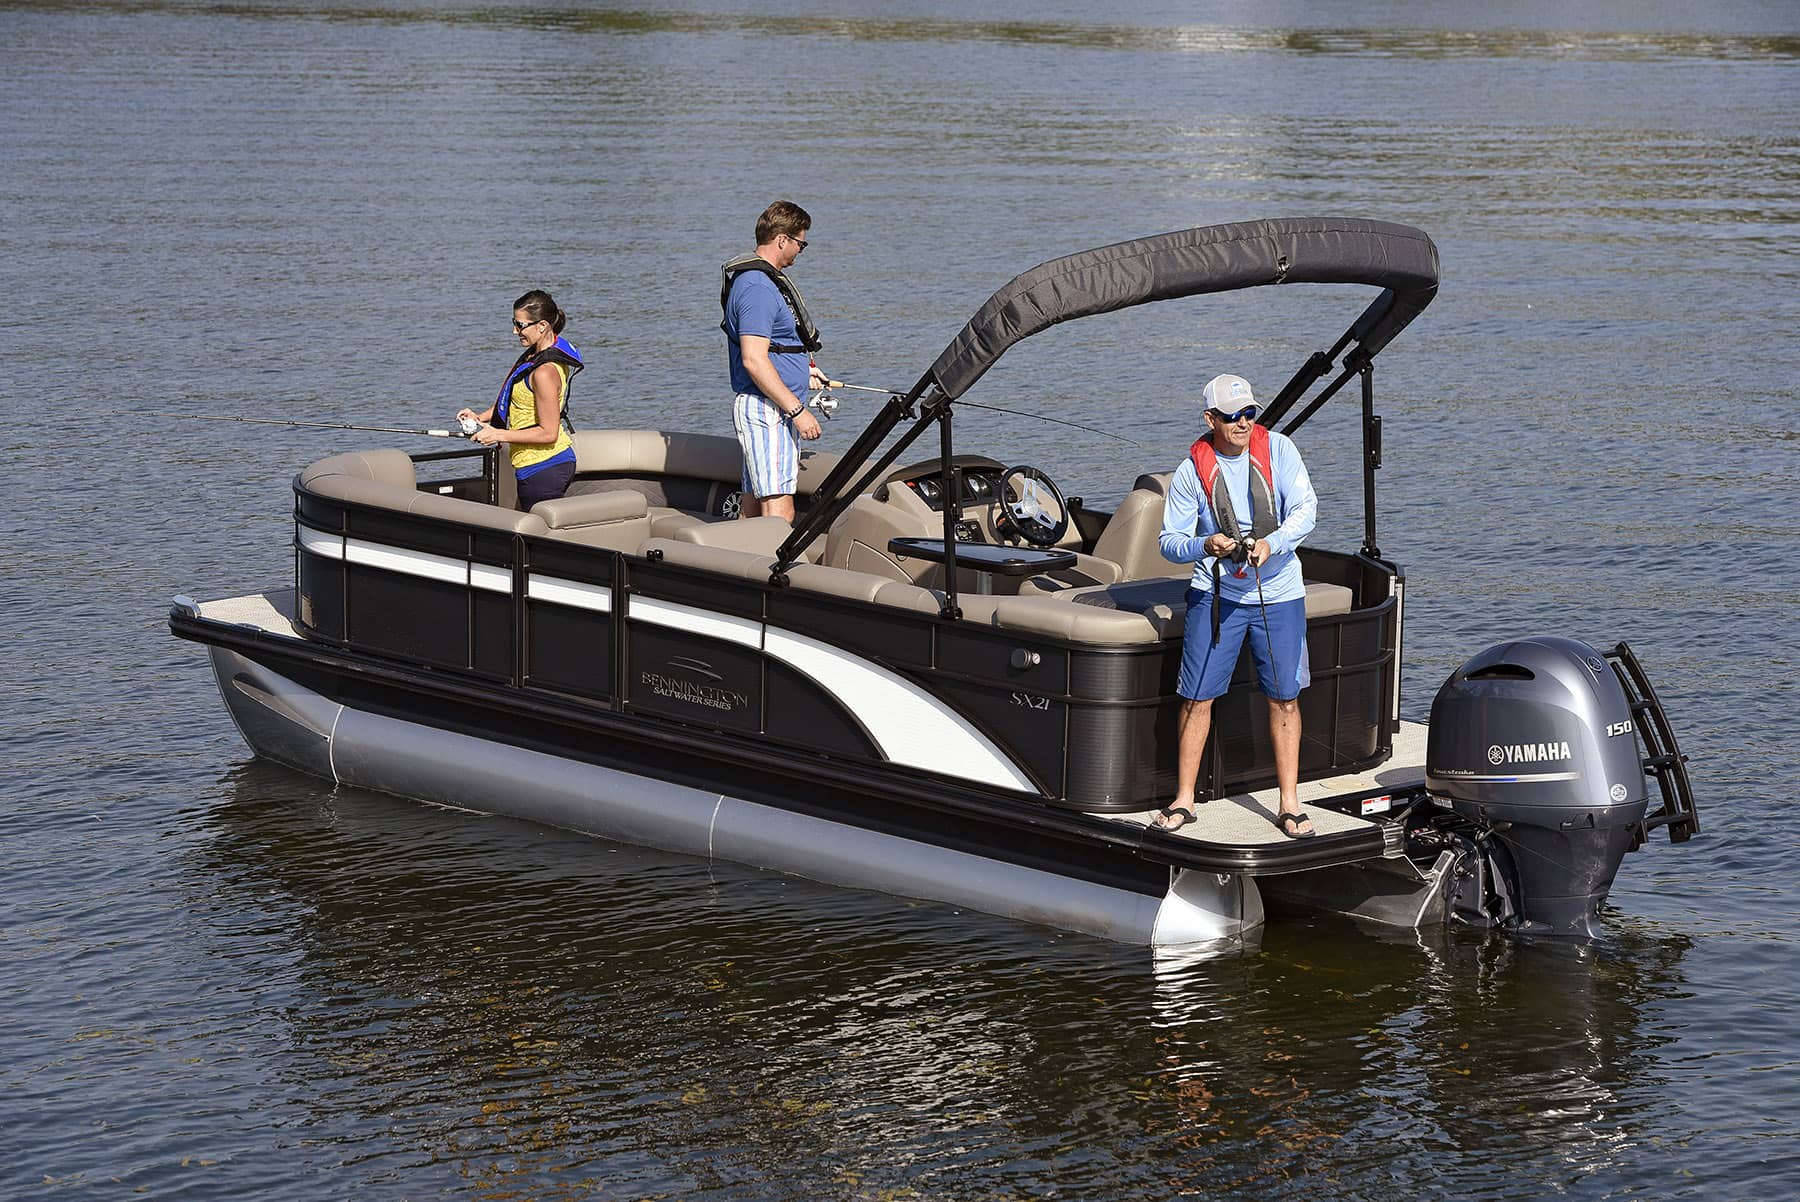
[[517, 1004]]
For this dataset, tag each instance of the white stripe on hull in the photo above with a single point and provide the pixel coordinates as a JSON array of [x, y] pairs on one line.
[[907, 723], [573, 593]]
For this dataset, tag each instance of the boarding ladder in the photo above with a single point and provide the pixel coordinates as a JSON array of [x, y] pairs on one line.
[[1663, 759]]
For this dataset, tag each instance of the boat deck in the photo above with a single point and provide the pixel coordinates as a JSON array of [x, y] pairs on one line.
[[1249, 818], [272, 611]]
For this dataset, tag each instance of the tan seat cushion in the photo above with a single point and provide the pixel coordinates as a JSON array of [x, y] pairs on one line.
[[1163, 602], [379, 467], [592, 509], [664, 521], [761, 536], [616, 521], [738, 565], [385, 480]]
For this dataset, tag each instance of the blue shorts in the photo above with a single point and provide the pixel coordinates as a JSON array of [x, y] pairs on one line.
[[1206, 669], [771, 448]]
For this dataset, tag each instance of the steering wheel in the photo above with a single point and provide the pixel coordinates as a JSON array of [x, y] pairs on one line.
[[1032, 507]]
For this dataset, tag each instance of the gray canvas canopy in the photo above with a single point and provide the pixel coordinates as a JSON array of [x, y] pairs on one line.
[[1400, 260]]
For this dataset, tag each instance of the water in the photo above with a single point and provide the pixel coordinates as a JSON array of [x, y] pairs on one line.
[[222, 980]]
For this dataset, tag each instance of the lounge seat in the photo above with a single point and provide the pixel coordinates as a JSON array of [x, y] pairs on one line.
[[653, 453], [759, 536], [664, 521], [676, 472], [386, 480]]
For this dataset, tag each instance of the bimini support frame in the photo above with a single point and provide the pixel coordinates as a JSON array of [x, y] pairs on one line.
[[1398, 259], [835, 497]]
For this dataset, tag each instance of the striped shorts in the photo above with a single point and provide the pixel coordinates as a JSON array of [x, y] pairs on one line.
[[771, 448]]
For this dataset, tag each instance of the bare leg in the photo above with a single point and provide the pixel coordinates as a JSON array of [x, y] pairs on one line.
[[749, 505], [781, 506], [1193, 724], [1284, 732]]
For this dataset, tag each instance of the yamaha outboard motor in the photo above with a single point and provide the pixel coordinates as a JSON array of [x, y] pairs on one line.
[[1535, 742]]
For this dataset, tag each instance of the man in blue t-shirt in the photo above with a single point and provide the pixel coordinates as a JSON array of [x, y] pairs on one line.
[[768, 343], [1238, 507]]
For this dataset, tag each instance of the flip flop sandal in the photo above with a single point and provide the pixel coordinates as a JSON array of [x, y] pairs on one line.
[[1181, 814], [1282, 820]]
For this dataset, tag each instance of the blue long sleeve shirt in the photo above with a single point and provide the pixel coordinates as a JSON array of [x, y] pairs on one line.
[[1188, 520]]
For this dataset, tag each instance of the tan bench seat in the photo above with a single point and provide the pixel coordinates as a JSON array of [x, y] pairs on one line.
[[386, 480]]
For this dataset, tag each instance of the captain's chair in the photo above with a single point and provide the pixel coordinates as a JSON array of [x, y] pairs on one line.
[[858, 539], [1127, 548]]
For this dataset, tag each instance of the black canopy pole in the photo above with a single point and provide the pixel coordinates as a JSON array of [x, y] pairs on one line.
[[952, 488], [1371, 456], [830, 498], [1309, 374], [1313, 406]]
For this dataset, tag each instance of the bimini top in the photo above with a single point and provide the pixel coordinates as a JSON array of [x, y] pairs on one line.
[[1217, 258], [1398, 259]]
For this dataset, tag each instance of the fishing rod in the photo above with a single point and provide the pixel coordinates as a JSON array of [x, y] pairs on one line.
[[829, 404], [270, 421]]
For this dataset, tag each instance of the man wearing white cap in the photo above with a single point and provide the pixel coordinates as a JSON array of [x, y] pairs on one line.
[[1238, 507]]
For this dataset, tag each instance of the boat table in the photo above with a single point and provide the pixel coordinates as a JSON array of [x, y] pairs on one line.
[[994, 558]]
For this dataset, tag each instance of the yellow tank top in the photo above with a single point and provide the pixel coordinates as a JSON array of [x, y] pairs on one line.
[[521, 414]]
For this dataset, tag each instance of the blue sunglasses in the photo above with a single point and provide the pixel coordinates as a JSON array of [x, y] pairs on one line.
[[1247, 413]]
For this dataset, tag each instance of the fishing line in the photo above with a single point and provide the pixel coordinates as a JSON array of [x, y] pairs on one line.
[[271, 421], [831, 384]]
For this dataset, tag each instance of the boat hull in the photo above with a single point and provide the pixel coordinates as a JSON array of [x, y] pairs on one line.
[[287, 721]]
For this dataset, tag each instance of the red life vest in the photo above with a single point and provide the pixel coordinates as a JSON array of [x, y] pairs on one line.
[[1263, 521]]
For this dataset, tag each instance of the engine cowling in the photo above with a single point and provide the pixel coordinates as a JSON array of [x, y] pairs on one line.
[[1534, 741]]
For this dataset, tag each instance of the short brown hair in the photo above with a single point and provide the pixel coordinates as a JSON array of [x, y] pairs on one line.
[[782, 217]]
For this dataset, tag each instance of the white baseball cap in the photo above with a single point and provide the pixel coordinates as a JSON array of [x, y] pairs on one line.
[[1228, 393]]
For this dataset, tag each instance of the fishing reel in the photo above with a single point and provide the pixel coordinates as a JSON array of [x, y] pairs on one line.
[[825, 403], [1239, 556]]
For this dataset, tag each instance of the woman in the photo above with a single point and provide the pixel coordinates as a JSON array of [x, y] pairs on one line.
[[528, 413]]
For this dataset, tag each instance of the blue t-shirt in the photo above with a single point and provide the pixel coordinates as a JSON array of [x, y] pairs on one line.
[[756, 306]]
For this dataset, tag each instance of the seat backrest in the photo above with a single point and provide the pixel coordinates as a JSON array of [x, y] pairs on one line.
[[1131, 534], [653, 454], [858, 540], [592, 509], [657, 453], [385, 479], [379, 467]]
